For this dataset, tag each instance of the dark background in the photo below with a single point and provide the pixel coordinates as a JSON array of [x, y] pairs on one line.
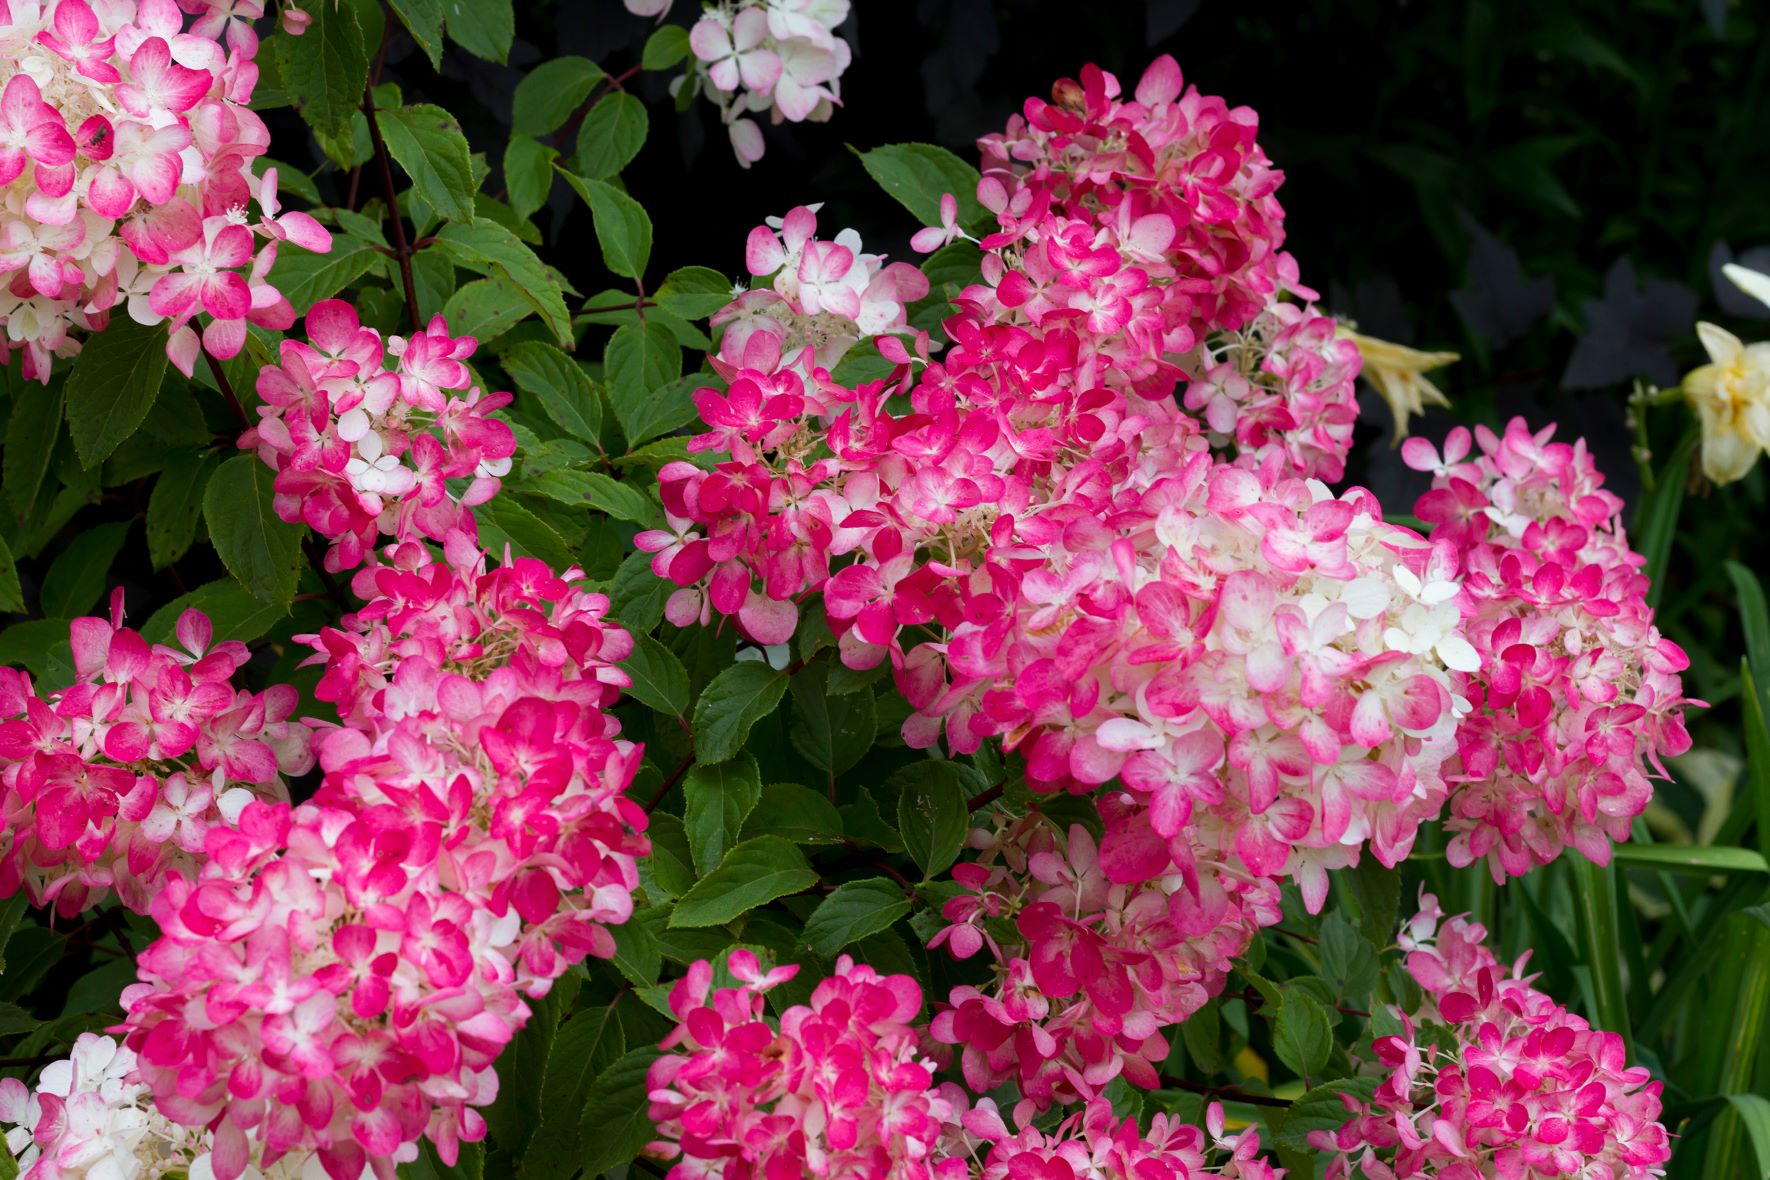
[[1545, 186]]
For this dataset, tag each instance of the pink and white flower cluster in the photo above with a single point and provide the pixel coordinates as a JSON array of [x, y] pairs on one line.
[[1577, 693], [840, 1087], [1087, 972], [126, 150], [1519, 1088], [776, 57], [340, 977], [114, 783], [91, 1118], [365, 435], [1113, 269]]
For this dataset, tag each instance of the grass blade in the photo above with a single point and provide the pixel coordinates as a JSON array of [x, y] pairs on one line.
[[1594, 889]]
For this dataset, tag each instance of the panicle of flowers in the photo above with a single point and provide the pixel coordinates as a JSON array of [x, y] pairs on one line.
[[365, 435], [114, 783], [840, 1087], [340, 978], [1578, 696], [781, 58], [1087, 971], [1519, 1088], [91, 1116], [126, 150], [1093, 1142]]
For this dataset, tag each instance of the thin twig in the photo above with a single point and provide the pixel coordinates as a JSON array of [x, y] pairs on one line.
[[985, 798], [675, 777], [402, 250], [227, 391], [1230, 1092]]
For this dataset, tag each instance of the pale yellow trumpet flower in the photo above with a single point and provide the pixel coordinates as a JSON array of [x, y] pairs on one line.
[[1398, 373]]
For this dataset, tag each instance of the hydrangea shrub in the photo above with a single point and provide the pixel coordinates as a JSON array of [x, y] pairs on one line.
[[935, 717]]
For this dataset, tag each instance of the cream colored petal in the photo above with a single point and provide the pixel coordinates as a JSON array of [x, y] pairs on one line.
[[1722, 346], [1726, 455], [1752, 282]]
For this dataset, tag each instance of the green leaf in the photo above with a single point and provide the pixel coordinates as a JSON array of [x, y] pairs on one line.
[[718, 797], [1752, 1112], [527, 533], [30, 643], [752, 874], [931, 814], [485, 309], [424, 20], [1302, 1036], [174, 507], [665, 47], [1754, 618], [670, 863], [1757, 746], [549, 93], [615, 1124], [328, 66], [488, 248], [638, 594], [12, 595], [622, 226], [612, 134], [1700, 860], [257, 547], [1321, 1110], [560, 384], [77, 579], [585, 1045], [851, 912], [641, 362], [528, 174], [31, 435], [659, 679], [796, 813], [637, 955], [233, 610], [1203, 1035], [305, 278], [112, 386], [1347, 957], [427, 142], [694, 292], [1594, 890], [833, 732], [1377, 893], [484, 28], [918, 174], [736, 699], [1657, 518]]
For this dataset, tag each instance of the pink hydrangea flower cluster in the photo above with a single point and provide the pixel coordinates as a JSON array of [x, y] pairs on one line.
[[1118, 272], [91, 1118], [1577, 694], [1093, 1142], [126, 149], [114, 783], [779, 57], [1095, 970], [840, 1087], [340, 977], [365, 435], [1520, 1088]]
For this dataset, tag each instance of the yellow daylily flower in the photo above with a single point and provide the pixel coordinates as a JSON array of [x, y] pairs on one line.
[[1731, 397], [1398, 373]]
